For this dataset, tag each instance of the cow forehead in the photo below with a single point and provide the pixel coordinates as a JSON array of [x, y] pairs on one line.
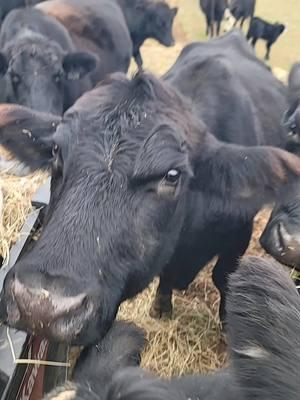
[[39, 51]]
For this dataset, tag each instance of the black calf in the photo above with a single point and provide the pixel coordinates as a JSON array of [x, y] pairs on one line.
[[260, 29]]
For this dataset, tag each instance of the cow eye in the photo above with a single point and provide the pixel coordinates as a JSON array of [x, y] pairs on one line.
[[55, 151], [172, 176]]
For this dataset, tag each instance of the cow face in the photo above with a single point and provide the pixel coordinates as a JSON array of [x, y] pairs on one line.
[[37, 71], [281, 237], [131, 169], [159, 23], [120, 165]]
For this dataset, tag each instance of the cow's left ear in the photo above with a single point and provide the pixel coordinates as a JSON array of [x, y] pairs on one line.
[[174, 11], [77, 65], [3, 64]]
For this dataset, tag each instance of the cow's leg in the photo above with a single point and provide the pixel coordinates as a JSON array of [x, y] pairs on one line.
[[253, 42], [242, 22], [212, 29], [208, 22], [162, 304], [218, 27], [138, 59], [268, 49], [228, 262]]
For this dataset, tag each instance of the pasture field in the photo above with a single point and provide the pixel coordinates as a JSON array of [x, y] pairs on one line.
[[191, 341]]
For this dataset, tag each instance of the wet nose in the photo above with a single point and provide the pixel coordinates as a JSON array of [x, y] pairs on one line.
[[36, 301]]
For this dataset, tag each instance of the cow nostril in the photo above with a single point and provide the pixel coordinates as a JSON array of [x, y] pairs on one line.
[[44, 305]]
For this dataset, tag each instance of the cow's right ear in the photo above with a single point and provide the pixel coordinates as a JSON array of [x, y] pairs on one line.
[[28, 134], [3, 64]]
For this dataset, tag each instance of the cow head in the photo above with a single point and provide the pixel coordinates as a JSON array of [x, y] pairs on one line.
[[130, 162], [159, 22], [37, 71], [281, 237]]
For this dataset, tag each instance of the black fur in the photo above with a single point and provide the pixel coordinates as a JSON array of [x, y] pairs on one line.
[[136, 180], [148, 19], [214, 12], [242, 10], [264, 338], [281, 236], [39, 51], [98, 26], [291, 118]]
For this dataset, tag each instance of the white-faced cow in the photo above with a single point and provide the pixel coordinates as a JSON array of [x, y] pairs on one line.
[[98, 26], [264, 339], [148, 19], [138, 185], [39, 64]]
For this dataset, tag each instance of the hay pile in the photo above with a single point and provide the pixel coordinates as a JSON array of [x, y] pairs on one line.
[[16, 196]]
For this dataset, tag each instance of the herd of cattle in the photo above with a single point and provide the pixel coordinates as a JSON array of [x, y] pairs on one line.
[[216, 11], [151, 177]]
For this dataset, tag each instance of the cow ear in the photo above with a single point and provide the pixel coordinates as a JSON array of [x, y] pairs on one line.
[[77, 65], [246, 177], [28, 134], [3, 64], [174, 11]]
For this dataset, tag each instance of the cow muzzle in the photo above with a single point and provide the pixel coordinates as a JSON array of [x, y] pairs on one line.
[[44, 310]]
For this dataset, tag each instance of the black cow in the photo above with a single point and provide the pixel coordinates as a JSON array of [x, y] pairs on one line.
[[264, 338], [7, 5], [39, 62], [260, 29], [242, 10], [136, 180], [214, 12], [241, 102], [98, 26], [281, 237], [291, 119], [148, 19]]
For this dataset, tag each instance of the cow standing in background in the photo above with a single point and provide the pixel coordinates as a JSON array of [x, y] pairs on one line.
[[264, 339], [148, 19], [242, 9], [214, 12], [39, 63], [98, 26], [260, 29]]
